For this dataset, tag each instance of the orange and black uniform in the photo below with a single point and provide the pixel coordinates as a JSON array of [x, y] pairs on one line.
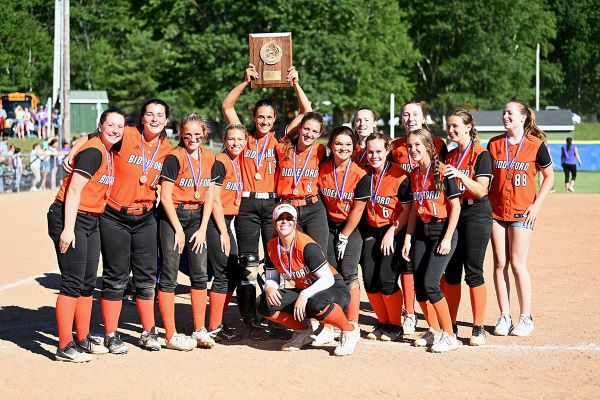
[[302, 190], [512, 191], [227, 174], [188, 200], [431, 207], [475, 223], [128, 225], [79, 265], [360, 158], [399, 153], [305, 259], [356, 188]]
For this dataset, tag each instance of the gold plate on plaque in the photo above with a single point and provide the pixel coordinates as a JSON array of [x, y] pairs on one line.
[[271, 75]]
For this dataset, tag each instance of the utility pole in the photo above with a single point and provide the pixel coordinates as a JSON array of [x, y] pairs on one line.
[[392, 122], [57, 67], [66, 72], [537, 77]]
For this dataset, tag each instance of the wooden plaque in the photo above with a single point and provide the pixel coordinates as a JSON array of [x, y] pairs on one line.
[[271, 54]]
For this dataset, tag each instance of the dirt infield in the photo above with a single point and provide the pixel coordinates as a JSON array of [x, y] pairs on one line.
[[561, 358]]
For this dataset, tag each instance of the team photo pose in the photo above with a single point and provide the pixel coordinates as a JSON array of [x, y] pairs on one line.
[[413, 117], [387, 213], [73, 227], [222, 247], [319, 292], [259, 169], [344, 189], [186, 203], [365, 123], [471, 165], [517, 156], [431, 238]]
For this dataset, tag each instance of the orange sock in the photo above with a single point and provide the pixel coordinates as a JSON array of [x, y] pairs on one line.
[[338, 318], [443, 284], [354, 306], [227, 301], [393, 305], [287, 320], [217, 302], [146, 310], [443, 313], [478, 303], [430, 315], [111, 309], [166, 302], [65, 313], [83, 314], [453, 298], [408, 289], [378, 305], [198, 307]]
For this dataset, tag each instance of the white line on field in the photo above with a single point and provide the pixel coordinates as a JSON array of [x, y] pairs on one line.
[[26, 281], [588, 347]]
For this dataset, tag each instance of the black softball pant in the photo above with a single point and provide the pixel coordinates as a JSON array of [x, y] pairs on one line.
[[226, 269], [197, 262], [380, 273], [312, 220], [428, 264], [474, 231], [79, 265], [128, 241], [348, 265], [570, 169], [316, 304]]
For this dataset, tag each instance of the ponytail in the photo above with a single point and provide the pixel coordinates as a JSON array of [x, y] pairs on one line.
[[530, 124]]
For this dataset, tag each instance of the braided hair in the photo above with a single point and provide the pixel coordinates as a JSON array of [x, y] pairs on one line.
[[427, 140]]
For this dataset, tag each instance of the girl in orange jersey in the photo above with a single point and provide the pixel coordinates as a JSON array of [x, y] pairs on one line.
[[431, 237], [365, 123], [259, 169], [73, 227], [413, 117], [344, 189], [222, 248], [388, 208], [517, 156], [319, 292], [187, 192], [471, 165]]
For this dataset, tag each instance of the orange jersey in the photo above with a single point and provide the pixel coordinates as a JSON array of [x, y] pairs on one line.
[[307, 181], [399, 153], [91, 161], [356, 188], [360, 158], [428, 202], [476, 162], [228, 175], [177, 170], [265, 181], [512, 191], [387, 195], [128, 190], [306, 258]]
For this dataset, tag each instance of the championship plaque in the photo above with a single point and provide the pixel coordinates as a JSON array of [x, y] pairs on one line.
[[271, 54]]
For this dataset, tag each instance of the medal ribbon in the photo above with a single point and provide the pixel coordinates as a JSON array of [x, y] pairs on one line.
[[196, 180], [462, 157], [373, 196], [109, 166], [238, 179], [335, 180], [145, 167], [288, 271], [421, 196], [509, 162], [260, 154], [297, 178]]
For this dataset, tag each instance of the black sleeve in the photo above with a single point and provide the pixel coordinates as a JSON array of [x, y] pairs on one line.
[[542, 157], [313, 257], [483, 165], [88, 161], [362, 191], [451, 188], [170, 168], [269, 263], [443, 152], [405, 191], [280, 134], [218, 173]]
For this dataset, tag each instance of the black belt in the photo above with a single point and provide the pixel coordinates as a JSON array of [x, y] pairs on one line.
[[470, 202]]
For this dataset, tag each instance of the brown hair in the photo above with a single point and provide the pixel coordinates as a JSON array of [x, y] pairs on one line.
[[291, 143], [342, 130], [193, 117], [427, 140], [366, 109], [387, 142], [530, 124], [467, 119], [418, 103], [232, 127]]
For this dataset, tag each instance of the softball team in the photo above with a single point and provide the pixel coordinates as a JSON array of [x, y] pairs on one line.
[[391, 207]]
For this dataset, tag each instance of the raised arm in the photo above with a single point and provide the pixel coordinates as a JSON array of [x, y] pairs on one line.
[[228, 105]]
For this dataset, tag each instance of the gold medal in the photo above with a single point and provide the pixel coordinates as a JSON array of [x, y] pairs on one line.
[[258, 176], [295, 192], [143, 179], [421, 210], [196, 195], [238, 202], [509, 175]]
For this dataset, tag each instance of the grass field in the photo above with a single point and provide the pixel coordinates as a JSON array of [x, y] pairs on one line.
[[587, 132], [587, 182]]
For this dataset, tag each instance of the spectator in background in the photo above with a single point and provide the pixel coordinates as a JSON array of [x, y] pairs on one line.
[[53, 160], [45, 168], [569, 155], [28, 121], [20, 118], [55, 121], [2, 119], [35, 164], [4, 161], [17, 166], [42, 122]]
